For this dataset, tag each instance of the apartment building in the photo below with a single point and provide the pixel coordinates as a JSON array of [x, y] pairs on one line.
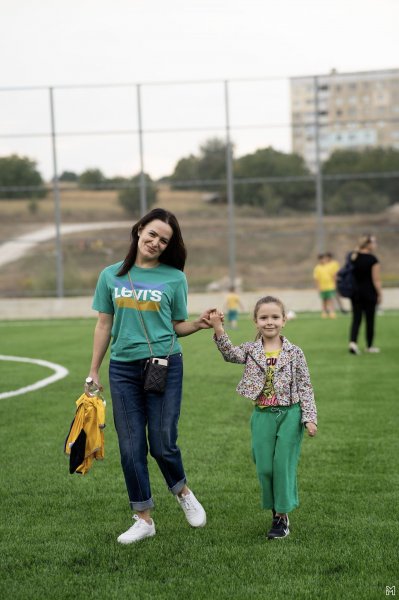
[[344, 111]]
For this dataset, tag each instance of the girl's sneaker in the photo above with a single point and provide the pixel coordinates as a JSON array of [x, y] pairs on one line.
[[373, 350], [280, 528]]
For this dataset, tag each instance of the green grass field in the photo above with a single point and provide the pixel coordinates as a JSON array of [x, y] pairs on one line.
[[58, 531]]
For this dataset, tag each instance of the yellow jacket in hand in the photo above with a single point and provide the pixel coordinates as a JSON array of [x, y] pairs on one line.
[[85, 441]]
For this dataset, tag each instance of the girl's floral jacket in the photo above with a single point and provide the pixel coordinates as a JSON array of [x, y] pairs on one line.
[[291, 378]]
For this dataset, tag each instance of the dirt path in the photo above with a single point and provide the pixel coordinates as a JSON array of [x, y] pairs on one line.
[[15, 249]]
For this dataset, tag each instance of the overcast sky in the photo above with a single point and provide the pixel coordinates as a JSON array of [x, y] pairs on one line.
[[65, 42]]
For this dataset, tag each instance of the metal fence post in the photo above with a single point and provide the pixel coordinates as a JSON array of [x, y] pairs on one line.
[[319, 177], [143, 194], [230, 190], [57, 204]]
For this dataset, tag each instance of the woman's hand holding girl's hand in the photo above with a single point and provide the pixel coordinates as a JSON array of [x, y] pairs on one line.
[[204, 320], [312, 429], [216, 321]]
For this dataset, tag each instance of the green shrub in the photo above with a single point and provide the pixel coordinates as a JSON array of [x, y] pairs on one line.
[[129, 197], [19, 172], [91, 177], [356, 197]]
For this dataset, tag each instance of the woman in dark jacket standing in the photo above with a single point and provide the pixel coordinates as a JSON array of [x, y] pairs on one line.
[[368, 291]]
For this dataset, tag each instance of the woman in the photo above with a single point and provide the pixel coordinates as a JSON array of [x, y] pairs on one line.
[[367, 275], [142, 306]]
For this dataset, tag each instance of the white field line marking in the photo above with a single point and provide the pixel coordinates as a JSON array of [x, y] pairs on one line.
[[59, 373]]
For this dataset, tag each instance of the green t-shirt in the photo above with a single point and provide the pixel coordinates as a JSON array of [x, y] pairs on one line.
[[162, 296]]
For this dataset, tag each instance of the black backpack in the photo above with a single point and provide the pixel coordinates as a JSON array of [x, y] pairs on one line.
[[346, 283]]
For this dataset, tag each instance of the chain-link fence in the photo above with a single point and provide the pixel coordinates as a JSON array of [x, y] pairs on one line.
[[246, 223]]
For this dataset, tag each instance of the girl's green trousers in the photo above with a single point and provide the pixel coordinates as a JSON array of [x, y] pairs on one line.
[[277, 434]]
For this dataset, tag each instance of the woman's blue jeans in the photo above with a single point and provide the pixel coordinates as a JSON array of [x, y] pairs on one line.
[[137, 412]]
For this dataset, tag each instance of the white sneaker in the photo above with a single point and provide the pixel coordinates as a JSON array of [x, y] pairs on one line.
[[354, 348], [373, 350], [194, 511], [140, 530]]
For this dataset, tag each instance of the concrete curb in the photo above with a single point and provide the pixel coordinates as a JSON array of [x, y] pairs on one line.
[[80, 307]]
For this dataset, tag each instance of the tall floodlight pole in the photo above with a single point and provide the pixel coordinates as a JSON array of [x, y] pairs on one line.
[[230, 190], [57, 204], [143, 195], [319, 181]]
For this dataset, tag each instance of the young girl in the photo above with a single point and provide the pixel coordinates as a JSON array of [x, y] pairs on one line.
[[276, 379]]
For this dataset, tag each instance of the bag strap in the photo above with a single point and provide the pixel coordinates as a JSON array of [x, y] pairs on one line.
[[254, 359], [142, 320]]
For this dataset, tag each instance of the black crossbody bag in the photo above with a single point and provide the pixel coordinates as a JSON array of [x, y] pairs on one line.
[[156, 370]]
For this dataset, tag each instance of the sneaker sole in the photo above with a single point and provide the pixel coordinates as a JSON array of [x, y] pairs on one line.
[[278, 537], [202, 524], [127, 542]]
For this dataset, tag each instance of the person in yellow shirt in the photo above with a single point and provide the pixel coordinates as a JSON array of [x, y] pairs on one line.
[[325, 283], [233, 304]]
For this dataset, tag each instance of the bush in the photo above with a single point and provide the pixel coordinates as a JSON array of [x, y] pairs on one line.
[[271, 202], [20, 171], [91, 177], [68, 176], [371, 160], [129, 198], [284, 194], [356, 197]]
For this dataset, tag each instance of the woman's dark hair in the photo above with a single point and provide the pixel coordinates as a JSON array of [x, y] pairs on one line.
[[175, 253]]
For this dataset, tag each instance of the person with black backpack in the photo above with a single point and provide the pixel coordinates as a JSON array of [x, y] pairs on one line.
[[366, 293]]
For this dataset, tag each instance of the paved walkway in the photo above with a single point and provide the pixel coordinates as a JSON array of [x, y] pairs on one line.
[[17, 248]]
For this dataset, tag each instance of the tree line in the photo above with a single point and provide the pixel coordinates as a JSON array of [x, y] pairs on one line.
[[277, 182], [281, 182]]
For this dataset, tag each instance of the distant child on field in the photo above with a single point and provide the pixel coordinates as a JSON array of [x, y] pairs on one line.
[[276, 379], [333, 266], [325, 283], [233, 304]]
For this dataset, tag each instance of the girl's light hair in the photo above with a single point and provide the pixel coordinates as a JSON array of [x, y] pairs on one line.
[[268, 300]]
